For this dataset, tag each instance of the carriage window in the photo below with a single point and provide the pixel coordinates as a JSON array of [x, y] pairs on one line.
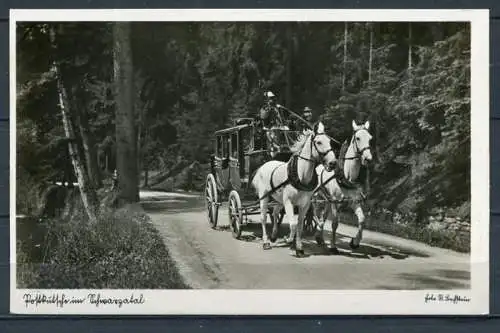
[[245, 139], [234, 145], [225, 146], [219, 146]]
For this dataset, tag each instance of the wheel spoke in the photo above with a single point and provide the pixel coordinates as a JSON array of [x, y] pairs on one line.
[[211, 200]]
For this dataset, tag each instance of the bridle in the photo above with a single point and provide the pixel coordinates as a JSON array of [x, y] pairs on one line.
[[359, 152], [321, 187], [320, 153]]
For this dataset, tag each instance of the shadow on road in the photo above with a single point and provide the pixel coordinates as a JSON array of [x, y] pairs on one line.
[[434, 279], [172, 205], [454, 274], [253, 233]]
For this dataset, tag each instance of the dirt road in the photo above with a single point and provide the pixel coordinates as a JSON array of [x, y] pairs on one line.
[[213, 259]]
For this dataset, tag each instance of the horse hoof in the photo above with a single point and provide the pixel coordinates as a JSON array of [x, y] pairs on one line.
[[266, 246], [300, 253], [352, 245], [334, 250]]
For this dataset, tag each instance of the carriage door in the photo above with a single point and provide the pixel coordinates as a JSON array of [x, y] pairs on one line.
[[234, 162], [221, 162], [225, 162]]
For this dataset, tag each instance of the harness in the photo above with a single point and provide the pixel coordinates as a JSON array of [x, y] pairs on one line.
[[339, 174], [321, 189], [343, 182], [292, 171], [293, 176]]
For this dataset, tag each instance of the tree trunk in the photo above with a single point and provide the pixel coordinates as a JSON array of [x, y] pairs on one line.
[[88, 195], [370, 61], [410, 62], [139, 142], [344, 73], [139, 87], [146, 175], [289, 60], [126, 139], [409, 47], [89, 151]]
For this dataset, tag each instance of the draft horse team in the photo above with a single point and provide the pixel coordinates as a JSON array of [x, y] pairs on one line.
[[303, 171]]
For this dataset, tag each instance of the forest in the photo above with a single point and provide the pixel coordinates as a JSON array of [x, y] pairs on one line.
[[92, 95]]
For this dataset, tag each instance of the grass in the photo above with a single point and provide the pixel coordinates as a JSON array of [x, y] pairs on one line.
[[122, 251]]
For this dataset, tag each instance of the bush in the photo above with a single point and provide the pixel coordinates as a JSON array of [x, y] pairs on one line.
[[28, 197], [122, 251]]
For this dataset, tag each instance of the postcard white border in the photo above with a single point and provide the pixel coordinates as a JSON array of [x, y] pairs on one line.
[[291, 302]]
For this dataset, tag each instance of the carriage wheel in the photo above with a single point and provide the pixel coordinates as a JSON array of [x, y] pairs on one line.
[[235, 214], [211, 201]]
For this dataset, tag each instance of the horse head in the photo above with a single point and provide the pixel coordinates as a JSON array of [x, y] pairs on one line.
[[322, 147], [361, 141]]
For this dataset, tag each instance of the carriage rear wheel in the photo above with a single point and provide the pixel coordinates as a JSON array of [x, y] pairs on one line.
[[235, 214], [211, 197]]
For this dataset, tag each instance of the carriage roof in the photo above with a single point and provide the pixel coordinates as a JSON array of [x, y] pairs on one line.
[[232, 129]]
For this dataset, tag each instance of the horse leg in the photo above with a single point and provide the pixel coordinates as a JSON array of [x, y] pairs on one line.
[[299, 251], [335, 224], [321, 211], [276, 213], [291, 222], [263, 218], [354, 244]]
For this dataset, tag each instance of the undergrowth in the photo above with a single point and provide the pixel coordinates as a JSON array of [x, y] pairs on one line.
[[122, 251], [447, 239]]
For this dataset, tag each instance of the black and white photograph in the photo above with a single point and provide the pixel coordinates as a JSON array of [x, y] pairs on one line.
[[249, 161]]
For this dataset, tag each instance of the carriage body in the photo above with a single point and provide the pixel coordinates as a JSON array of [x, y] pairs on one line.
[[238, 152]]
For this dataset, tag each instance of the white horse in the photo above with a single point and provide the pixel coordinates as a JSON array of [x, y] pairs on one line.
[[357, 154], [293, 183]]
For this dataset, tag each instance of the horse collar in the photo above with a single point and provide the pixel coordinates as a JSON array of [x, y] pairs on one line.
[[293, 176]]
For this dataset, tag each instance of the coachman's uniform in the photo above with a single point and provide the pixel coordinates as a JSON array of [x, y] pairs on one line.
[[266, 119]]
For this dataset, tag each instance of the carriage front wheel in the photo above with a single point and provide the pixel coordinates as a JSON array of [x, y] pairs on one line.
[[235, 213], [211, 198]]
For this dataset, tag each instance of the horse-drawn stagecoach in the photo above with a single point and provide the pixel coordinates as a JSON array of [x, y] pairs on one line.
[[262, 171], [238, 152]]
